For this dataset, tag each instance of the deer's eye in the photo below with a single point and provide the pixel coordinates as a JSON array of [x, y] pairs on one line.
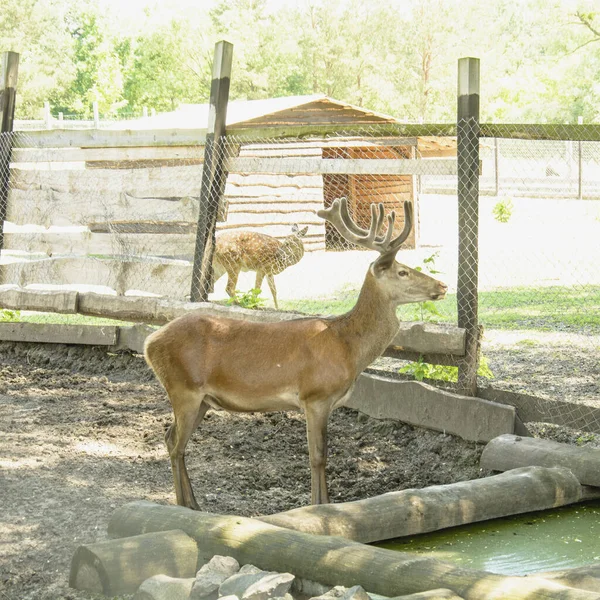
[[402, 273]]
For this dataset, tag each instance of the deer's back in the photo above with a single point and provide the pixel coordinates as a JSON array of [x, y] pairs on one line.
[[250, 251]]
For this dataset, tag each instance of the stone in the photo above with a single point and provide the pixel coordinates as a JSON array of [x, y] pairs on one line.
[[355, 593], [163, 587], [211, 576], [337, 592], [264, 585], [251, 569]]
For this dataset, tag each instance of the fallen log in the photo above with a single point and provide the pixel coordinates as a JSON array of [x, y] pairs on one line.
[[511, 451], [119, 566], [414, 511], [330, 560], [584, 578]]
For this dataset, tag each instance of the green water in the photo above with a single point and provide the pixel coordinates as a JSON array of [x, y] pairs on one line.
[[544, 541]]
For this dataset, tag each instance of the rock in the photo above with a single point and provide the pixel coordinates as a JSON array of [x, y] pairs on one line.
[[355, 593], [251, 569], [257, 586], [211, 576], [337, 592], [308, 588], [163, 587]]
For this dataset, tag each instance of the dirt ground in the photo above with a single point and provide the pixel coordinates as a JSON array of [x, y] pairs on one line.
[[81, 433]]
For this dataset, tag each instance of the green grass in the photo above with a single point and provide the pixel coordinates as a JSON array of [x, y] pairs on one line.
[[546, 309]]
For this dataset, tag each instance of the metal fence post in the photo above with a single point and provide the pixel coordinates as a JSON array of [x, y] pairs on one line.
[[213, 174], [468, 219], [8, 95]]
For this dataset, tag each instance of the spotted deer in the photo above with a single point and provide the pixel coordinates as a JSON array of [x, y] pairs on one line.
[[309, 364], [237, 251]]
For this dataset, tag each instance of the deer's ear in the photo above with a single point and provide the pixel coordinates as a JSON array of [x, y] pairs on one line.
[[383, 263], [302, 232]]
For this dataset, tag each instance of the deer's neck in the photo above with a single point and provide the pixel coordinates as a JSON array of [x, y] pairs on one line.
[[292, 250], [370, 326]]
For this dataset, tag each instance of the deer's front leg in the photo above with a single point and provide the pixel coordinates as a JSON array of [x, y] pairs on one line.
[[188, 414], [317, 414]]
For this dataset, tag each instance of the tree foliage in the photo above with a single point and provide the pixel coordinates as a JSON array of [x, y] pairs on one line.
[[540, 58]]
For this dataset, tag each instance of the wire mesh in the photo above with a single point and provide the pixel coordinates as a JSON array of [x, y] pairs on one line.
[[124, 221]]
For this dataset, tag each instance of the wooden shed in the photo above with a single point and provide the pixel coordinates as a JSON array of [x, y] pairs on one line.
[[272, 202]]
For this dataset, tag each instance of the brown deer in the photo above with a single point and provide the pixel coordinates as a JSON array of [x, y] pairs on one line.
[[309, 363], [237, 251]]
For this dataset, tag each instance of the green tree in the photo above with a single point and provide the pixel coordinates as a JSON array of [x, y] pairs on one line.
[[168, 66], [36, 31]]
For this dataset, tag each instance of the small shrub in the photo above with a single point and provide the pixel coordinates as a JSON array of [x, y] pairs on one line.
[[421, 370], [502, 211], [251, 299], [9, 315]]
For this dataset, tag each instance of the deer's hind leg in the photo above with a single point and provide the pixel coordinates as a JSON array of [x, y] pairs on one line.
[[189, 408]]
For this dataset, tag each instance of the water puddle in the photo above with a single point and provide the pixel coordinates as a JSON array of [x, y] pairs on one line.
[[562, 538]]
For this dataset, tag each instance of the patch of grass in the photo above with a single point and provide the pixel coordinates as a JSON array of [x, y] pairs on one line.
[[553, 308], [527, 343]]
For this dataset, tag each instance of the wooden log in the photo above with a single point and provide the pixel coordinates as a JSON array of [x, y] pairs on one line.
[[49, 207], [53, 333], [584, 578], [511, 451], [148, 153], [163, 277], [414, 511], [342, 166], [14, 298], [330, 560], [119, 566], [83, 243]]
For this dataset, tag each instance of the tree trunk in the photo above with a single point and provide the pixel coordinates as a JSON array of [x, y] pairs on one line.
[[511, 451], [410, 512], [119, 566], [330, 560]]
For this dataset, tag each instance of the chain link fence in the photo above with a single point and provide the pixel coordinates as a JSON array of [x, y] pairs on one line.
[[123, 221]]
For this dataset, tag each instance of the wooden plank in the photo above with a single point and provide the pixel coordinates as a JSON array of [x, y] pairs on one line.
[[107, 138], [61, 301], [52, 333], [243, 218], [542, 131], [155, 182], [248, 134], [275, 180], [165, 278], [415, 511], [284, 192], [533, 409], [329, 559], [423, 405], [340, 166], [49, 207], [39, 155], [429, 338], [85, 243]]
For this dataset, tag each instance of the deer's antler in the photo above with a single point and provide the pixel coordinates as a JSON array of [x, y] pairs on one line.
[[337, 214]]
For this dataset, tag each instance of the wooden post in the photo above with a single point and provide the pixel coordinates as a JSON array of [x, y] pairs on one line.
[[468, 220], [580, 164], [8, 94], [96, 115], [47, 115], [213, 173], [497, 165]]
